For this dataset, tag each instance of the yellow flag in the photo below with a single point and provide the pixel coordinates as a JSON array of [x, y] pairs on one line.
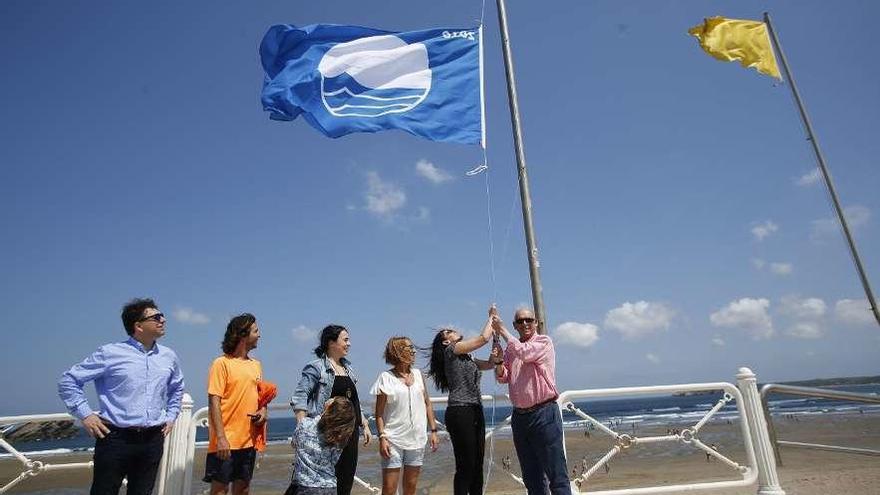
[[735, 39]]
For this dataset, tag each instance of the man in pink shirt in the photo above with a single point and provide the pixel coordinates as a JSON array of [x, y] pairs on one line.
[[529, 367]]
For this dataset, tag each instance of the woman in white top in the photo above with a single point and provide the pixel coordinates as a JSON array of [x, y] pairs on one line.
[[403, 413]]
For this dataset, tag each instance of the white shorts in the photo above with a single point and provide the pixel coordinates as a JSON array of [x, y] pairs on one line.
[[401, 457]]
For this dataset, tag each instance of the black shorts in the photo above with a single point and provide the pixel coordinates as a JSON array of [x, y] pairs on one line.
[[239, 466]]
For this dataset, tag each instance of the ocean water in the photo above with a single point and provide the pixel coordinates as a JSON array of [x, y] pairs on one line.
[[636, 412]]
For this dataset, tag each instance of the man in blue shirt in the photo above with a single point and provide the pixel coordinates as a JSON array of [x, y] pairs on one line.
[[140, 387]]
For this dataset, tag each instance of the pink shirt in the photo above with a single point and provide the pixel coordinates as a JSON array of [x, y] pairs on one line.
[[530, 369]]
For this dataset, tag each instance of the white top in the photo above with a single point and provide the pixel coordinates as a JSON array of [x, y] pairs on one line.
[[406, 420]]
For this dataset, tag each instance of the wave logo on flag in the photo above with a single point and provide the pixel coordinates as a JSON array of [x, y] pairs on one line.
[[374, 76], [345, 79]]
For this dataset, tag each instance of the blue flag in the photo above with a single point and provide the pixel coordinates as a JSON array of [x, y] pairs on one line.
[[345, 79]]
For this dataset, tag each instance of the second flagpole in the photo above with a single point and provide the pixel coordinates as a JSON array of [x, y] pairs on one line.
[[825, 173]]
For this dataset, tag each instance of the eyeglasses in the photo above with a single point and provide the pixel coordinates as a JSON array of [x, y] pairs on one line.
[[521, 321], [157, 317]]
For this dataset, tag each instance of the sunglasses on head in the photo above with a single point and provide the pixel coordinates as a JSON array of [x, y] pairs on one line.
[[520, 321], [158, 317]]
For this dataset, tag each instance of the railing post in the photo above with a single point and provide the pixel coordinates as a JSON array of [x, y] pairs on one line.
[[196, 419], [768, 480], [771, 428], [174, 462]]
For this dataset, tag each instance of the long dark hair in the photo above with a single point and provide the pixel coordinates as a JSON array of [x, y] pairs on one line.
[[437, 362], [238, 328], [328, 334], [337, 421]]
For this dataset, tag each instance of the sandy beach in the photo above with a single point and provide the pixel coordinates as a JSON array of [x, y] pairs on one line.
[[805, 472]]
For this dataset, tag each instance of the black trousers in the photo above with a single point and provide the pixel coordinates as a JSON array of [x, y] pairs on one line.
[[347, 465], [125, 453], [467, 430]]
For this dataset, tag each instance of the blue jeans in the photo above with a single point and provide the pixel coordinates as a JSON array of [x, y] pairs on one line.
[[537, 436]]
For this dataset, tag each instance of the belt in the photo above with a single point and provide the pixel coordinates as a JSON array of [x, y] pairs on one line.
[[133, 429], [525, 410]]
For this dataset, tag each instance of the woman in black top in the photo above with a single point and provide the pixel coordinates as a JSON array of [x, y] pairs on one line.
[[456, 372], [331, 375]]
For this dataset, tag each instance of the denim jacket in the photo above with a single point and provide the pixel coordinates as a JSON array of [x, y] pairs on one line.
[[316, 385]]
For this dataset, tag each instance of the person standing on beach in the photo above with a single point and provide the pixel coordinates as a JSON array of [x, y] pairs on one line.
[[455, 371], [140, 386], [403, 413], [234, 413], [328, 376], [529, 367]]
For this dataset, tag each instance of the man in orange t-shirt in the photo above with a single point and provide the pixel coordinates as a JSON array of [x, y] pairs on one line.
[[233, 409]]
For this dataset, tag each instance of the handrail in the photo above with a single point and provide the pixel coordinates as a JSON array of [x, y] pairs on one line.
[[688, 436], [821, 393], [175, 473]]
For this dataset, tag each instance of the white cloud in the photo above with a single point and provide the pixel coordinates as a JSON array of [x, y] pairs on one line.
[[762, 230], [853, 311], [187, 315], [825, 228], [383, 198], [652, 358], [717, 341], [430, 171], [777, 268], [807, 313], [303, 333], [809, 179], [746, 314], [781, 268], [635, 320], [810, 308], [578, 334], [805, 330]]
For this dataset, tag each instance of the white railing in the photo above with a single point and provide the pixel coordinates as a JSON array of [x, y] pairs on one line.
[[822, 393], [687, 436], [176, 470], [31, 467]]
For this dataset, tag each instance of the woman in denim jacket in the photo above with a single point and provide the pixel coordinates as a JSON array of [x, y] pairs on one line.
[[329, 376]]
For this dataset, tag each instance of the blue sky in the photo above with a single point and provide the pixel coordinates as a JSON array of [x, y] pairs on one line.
[[681, 232]]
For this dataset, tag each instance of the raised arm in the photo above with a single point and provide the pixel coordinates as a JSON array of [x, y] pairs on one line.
[[531, 351], [471, 344], [502, 373]]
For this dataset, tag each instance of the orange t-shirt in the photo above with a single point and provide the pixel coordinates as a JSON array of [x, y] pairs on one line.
[[235, 380]]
